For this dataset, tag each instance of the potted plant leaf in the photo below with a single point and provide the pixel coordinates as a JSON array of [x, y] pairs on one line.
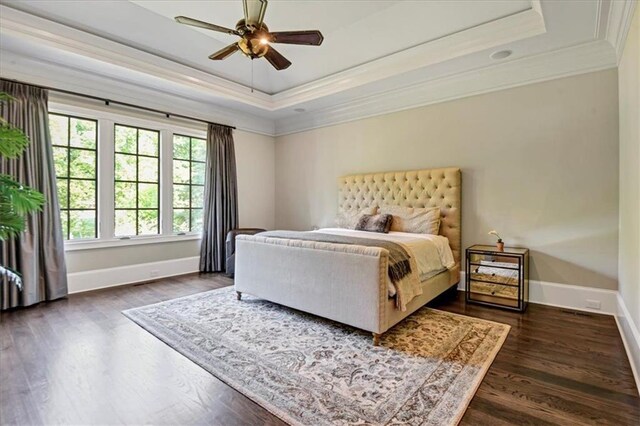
[[17, 201]]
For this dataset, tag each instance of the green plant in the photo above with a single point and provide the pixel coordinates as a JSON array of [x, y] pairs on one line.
[[16, 200]]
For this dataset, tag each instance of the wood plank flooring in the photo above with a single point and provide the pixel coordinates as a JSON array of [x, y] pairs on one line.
[[79, 361]]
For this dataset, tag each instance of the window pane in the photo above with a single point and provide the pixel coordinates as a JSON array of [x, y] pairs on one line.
[[83, 133], [125, 195], [60, 161], [197, 196], [82, 224], [64, 221], [82, 194], [147, 169], [196, 220], [180, 195], [148, 142], [125, 139], [125, 167], [181, 147], [180, 171], [148, 222], [62, 192], [198, 150], [147, 195], [125, 222], [197, 173], [181, 220], [58, 127], [83, 164]]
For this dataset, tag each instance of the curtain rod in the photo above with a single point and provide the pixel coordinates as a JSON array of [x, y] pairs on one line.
[[110, 101]]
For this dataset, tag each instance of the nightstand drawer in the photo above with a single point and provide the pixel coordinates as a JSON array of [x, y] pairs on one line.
[[504, 295], [499, 260], [495, 273]]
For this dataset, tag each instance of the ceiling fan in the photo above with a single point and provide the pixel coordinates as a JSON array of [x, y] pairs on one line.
[[255, 37]]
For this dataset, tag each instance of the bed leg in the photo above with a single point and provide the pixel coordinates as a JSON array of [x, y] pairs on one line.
[[239, 295], [376, 339]]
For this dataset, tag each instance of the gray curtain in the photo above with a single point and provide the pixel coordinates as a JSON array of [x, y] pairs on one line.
[[220, 198], [38, 253]]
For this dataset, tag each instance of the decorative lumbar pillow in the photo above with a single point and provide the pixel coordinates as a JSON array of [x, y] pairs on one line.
[[375, 223], [414, 220], [349, 218]]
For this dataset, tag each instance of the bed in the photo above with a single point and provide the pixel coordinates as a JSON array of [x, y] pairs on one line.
[[349, 283]]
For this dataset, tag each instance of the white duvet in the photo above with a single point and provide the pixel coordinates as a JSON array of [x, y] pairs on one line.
[[432, 253]]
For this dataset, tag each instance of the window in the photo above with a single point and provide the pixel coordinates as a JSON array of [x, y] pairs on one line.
[[137, 181], [75, 152], [188, 183]]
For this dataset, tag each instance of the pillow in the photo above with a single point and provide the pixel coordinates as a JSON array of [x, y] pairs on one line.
[[375, 223], [349, 218], [414, 220]]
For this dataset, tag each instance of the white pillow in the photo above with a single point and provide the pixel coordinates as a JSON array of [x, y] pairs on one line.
[[414, 220], [349, 219]]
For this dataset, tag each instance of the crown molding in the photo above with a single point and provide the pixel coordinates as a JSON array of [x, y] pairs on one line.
[[18, 67], [139, 66], [620, 14], [583, 58], [76, 42], [499, 32]]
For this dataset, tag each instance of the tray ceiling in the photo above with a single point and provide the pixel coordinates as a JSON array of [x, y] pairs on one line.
[[371, 48]]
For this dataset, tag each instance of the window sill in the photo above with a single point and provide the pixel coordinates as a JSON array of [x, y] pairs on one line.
[[133, 241]]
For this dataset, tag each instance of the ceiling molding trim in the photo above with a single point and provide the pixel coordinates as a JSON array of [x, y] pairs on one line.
[[580, 59], [618, 23], [43, 32], [71, 40], [30, 70], [496, 33]]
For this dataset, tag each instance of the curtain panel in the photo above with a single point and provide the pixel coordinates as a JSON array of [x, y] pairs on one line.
[[220, 198], [38, 253]]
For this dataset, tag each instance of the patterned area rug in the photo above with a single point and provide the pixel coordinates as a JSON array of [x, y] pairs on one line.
[[311, 371]]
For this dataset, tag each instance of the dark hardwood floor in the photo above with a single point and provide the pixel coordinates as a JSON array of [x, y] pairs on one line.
[[80, 361]]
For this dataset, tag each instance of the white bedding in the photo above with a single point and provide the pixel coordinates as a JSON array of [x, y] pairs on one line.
[[431, 252]]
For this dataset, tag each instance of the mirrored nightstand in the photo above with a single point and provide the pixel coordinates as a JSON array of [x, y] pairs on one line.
[[497, 278]]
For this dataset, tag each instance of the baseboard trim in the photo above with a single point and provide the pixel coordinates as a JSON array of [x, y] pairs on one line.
[[568, 296], [79, 282], [630, 338]]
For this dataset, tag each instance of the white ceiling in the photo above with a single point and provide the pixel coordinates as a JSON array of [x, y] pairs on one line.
[[371, 48]]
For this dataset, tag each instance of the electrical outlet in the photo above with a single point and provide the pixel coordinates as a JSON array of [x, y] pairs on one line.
[[593, 304], [154, 273]]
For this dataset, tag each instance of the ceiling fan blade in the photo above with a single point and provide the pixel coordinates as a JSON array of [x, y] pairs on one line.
[[225, 52], [310, 37], [254, 11], [278, 61], [207, 26]]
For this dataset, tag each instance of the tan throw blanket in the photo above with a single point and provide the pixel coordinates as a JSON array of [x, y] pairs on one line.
[[402, 270]]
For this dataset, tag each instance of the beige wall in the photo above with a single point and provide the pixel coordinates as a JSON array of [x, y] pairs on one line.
[[539, 162], [629, 94], [255, 163]]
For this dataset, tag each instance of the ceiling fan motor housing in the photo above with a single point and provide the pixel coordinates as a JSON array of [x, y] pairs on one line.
[[253, 42]]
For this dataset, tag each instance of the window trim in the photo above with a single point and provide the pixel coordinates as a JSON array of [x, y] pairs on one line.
[[107, 117]]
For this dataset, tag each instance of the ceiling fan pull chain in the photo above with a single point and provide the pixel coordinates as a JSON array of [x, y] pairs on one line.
[[251, 75]]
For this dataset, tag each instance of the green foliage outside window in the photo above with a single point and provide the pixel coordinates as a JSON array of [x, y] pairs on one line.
[[75, 144], [189, 156]]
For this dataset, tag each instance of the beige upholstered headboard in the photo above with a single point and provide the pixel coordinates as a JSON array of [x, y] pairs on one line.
[[414, 188]]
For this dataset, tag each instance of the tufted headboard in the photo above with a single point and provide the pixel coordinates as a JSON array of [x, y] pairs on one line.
[[414, 188]]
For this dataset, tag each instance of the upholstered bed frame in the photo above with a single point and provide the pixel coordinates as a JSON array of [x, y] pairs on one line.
[[348, 283]]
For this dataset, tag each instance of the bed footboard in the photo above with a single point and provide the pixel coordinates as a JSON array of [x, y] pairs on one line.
[[344, 283]]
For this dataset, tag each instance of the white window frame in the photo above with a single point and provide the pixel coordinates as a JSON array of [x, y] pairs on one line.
[[107, 118]]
